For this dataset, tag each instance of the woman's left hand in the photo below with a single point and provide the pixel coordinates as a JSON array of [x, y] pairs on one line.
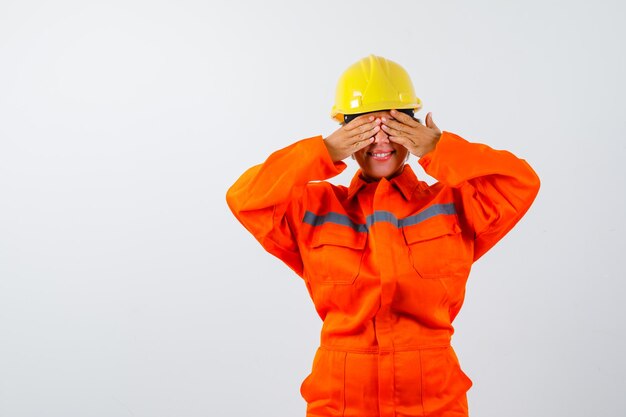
[[408, 132]]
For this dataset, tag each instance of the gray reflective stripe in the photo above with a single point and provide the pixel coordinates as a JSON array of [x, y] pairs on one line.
[[381, 216], [315, 220], [428, 213], [378, 216]]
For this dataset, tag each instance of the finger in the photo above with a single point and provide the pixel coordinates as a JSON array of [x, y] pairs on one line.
[[358, 145], [404, 141], [365, 135], [402, 127], [404, 118], [395, 130], [429, 121], [364, 128], [358, 121]]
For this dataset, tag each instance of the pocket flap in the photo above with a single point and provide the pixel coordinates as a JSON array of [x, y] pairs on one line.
[[431, 229], [340, 236]]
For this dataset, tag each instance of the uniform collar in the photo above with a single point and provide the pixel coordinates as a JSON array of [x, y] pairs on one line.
[[405, 182]]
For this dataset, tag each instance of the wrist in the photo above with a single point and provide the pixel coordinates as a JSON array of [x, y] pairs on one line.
[[433, 144]]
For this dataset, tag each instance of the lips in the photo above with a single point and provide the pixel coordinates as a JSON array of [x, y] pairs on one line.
[[381, 155]]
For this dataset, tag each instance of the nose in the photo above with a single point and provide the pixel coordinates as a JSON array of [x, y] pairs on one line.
[[381, 138]]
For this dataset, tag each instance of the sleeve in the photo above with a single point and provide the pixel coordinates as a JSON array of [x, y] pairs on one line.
[[496, 187], [268, 198]]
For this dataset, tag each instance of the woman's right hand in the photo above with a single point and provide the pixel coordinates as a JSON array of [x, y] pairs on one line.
[[352, 137]]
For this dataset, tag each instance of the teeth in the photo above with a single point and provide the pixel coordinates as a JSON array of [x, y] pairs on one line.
[[381, 155]]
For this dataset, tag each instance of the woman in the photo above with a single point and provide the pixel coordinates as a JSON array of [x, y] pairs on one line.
[[386, 259]]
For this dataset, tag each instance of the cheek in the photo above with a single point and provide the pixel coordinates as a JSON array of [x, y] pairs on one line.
[[402, 154], [359, 156]]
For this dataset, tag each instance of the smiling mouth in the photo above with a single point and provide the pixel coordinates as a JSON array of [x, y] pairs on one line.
[[381, 156]]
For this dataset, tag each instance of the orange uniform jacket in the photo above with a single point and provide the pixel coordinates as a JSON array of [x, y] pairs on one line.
[[386, 265]]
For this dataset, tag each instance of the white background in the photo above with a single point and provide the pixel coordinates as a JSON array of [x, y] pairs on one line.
[[128, 289]]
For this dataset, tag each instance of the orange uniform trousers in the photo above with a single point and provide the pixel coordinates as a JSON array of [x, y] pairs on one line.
[[385, 264]]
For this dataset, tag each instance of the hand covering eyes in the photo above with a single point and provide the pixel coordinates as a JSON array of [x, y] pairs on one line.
[[347, 118]]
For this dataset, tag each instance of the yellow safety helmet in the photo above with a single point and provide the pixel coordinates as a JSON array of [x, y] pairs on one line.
[[371, 84]]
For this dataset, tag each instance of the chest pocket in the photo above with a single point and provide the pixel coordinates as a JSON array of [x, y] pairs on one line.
[[437, 248], [336, 254]]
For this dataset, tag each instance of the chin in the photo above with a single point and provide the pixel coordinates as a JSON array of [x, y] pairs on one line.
[[378, 174]]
